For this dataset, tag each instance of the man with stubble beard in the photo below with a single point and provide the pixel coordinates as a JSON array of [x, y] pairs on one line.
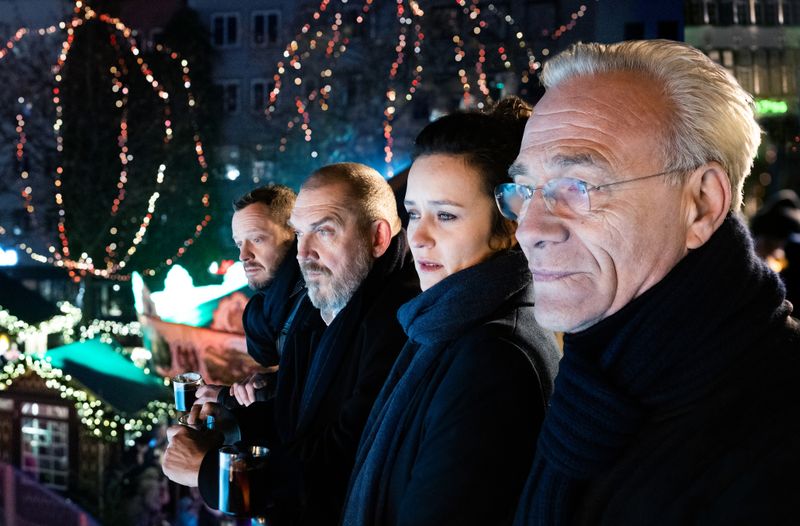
[[354, 258], [267, 250]]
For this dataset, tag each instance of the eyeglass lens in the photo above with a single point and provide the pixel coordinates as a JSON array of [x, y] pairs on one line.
[[563, 197]]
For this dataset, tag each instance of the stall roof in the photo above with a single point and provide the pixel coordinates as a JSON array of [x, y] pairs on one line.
[[110, 375]]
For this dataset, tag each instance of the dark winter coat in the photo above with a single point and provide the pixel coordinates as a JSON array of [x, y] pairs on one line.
[[268, 318], [452, 434], [313, 431], [267, 312]]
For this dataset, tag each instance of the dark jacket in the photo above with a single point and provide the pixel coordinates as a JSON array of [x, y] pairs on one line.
[[461, 442], [268, 318], [681, 408], [312, 452], [266, 314], [733, 458]]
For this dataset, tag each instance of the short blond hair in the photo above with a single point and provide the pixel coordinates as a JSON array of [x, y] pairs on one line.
[[369, 193], [713, 118]]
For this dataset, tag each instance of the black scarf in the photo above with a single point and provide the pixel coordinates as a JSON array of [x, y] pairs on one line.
[[661, 352], [299, 393], [431, 320], [267, 310]]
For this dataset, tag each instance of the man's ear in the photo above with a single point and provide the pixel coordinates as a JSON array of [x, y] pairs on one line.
[[381, 237], [708, 191]]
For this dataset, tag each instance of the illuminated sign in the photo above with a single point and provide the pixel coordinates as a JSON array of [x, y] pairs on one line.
[[771, 107]]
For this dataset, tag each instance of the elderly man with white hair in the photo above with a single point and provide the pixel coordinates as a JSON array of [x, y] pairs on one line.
[[676, 401]]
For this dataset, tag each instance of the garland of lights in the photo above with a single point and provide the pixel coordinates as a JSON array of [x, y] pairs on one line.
[[113, 266], [336, 46], [106, 328], [62, 323], [99, 418], [408, 12]]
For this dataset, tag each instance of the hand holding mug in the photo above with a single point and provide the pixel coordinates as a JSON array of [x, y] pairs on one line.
[[185, 386]]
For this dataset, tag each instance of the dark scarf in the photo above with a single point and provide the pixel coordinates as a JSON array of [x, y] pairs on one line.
[[660, 353], [298, 397], [431, 320], [267, 310]]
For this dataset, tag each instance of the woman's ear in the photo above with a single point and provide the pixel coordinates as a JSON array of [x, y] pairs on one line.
[[708, 192]]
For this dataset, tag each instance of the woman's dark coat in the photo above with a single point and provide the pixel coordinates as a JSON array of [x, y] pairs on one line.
[[465, 441]]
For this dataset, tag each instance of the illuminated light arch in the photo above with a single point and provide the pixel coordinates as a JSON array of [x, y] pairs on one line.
[[115, 266]]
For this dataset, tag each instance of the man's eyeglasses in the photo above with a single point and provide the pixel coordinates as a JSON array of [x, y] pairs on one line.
[[563, 197]]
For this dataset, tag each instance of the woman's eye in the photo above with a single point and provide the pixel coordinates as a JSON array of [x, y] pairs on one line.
[[413, 215], [445, 216]]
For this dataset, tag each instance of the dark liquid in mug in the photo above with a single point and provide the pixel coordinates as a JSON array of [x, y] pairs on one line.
[[235, 497], [184, 398]]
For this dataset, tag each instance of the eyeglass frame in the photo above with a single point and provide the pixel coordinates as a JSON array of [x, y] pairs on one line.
[[498, 192]]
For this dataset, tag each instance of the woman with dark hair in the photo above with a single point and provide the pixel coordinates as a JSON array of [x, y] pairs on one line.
[[453, 432]]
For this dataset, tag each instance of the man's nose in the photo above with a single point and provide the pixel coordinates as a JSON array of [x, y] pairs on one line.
[[304, 247], [244, 252], [537, 226]]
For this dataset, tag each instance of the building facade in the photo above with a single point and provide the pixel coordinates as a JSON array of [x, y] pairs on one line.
[[758, 41]]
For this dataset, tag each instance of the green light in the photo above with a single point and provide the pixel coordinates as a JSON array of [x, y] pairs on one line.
[[182, 302], [500, 85], [771, 107]]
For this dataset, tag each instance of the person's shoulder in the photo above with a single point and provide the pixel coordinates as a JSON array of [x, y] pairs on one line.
[[497, 345], [398, 288], [511, 339], [515, 325]]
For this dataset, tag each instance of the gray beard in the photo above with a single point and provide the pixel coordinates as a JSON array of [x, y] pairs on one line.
[[342, 287]]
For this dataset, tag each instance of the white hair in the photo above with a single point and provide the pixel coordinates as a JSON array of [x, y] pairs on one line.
[[712, 117]]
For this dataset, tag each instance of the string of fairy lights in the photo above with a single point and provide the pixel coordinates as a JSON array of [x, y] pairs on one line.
[[99, 418], [22, 331], [408, 13], [118, 252]]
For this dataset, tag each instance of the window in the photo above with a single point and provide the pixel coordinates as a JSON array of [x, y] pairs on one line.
[[259, 94], [225, 30], [230, 96], [726, 13], [741, 12], [45, 443], [263, 171], [712, 12], [760, 76], [264, 28], [769, 12], [775, 72], [356, 24], [727, 58], [634, 31], [259, 170], [669, 29], [791, 12], [696, 14], [744, 68], [155, 38], [790, 66]]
